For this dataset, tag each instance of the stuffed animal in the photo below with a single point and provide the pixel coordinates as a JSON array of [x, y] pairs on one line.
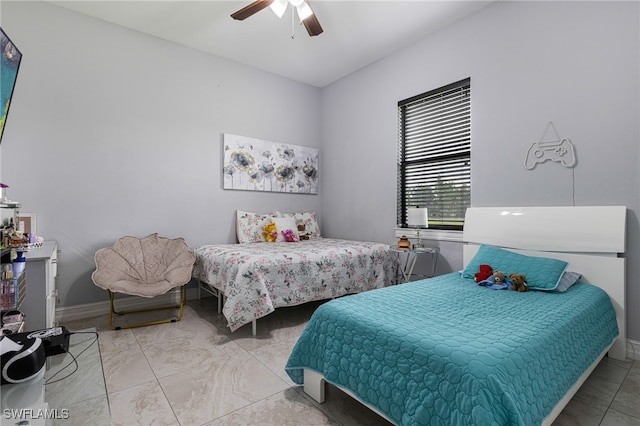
[[499, 277], [485, 272], [519, 282], [270, 232], [289, 236], [301, 232]]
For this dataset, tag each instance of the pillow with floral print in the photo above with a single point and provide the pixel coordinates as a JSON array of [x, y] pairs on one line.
[[250, 226], [308, 219], [287, 229]]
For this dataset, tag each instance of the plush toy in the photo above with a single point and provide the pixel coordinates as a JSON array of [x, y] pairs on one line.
[[519, 282], [485, 272], [499, 277], [301, 232], [270, 232], [289, 236]]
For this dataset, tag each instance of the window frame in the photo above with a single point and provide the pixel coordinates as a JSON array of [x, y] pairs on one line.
[[456, 151]]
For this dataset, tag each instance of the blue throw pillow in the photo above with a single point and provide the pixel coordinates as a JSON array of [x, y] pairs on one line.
[[542, 273]]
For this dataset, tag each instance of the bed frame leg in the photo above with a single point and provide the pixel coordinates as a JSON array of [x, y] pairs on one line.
[[254, 328], [314, 385]]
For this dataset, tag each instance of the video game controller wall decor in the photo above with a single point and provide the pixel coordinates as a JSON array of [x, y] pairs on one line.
[[561, 151]]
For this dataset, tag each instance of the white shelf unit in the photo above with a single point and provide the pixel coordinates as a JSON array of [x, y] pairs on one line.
[[39, 306]]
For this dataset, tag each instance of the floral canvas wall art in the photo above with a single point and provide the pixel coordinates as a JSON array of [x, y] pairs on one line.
[[258, 165]]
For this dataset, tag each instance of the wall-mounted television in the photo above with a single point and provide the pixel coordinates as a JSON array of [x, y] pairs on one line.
[[9, 66]]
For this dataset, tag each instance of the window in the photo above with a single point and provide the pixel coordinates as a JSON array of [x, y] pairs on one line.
[[434, 155]]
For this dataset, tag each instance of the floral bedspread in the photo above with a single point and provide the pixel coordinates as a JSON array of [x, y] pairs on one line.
[[256, 278]]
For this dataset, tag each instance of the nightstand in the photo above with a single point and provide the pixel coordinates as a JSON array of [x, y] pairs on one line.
[[407, 258]]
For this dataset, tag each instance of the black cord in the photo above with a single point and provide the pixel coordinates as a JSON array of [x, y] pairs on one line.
[[573, 185], [75, 358]]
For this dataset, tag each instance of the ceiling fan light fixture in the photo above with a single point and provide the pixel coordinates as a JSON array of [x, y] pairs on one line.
[[304, 11], [279, 7]]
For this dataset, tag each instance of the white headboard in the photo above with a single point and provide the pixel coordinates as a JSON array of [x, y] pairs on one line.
[[591, 239], [598, 229]]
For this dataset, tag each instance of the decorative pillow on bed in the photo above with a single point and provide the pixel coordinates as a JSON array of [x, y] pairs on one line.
[[286, 228], [568, 279], [308, 219], [250, 226], [542, 273]]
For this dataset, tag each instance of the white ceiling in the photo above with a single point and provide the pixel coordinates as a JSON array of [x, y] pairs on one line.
[[356, 33]]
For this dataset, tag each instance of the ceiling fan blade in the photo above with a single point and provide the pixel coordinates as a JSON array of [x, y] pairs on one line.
[[313, 25], [249, 10]]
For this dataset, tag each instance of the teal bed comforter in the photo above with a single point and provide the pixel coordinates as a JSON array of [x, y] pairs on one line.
[[445, 351]]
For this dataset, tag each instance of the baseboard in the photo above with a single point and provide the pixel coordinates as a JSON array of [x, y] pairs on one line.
[[633, 349], [88, 310]]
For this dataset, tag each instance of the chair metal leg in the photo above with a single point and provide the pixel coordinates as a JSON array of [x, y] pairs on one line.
[[112, 310]]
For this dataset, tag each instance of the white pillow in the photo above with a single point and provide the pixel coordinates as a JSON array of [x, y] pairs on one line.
[[286, 224], [567, 280], [308, 219]]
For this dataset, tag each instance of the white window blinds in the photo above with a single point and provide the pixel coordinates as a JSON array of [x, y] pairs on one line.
[[434, 169]]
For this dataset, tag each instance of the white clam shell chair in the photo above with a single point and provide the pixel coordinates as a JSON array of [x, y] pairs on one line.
[[146, 267]]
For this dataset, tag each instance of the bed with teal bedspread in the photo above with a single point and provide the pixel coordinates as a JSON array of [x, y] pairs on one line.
[[445, 351]]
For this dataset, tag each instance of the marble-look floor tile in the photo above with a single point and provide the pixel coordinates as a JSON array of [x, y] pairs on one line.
[[272, 329], [589, 405], [627, 400], [287, 408], [275, 358], [125, 367], [144, 404], [115, 341], [280, 324], [270, 336], [346, 410], [219, 387], [573, 417], [186, 352], [615, 418], [612, 370], [190, 324]]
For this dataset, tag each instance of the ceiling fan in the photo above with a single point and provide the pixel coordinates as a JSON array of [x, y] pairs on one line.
[[305, 13]]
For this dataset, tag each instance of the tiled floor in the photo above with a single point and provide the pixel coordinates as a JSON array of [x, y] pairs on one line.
[[194, 372]]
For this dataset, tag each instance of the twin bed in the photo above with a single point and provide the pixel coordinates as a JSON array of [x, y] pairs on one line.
[[448, 351], [255, 277]]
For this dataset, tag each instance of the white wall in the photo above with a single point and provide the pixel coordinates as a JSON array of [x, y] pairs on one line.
[[113, 132], [576, 64]]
